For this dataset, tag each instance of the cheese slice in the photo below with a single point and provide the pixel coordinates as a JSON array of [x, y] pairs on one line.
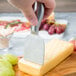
[[55, 52]]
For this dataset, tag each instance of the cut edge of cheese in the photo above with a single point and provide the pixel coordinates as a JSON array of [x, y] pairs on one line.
[[39, 70], [29, 67]]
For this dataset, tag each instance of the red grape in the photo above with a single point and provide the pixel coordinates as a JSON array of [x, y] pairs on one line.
[[46, 27], [62, 28], [51, 30], [58, 29]]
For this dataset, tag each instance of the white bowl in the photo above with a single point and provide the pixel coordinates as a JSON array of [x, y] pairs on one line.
[[47, 37]]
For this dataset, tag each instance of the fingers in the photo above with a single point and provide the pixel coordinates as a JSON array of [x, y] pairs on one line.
[[47, 12], [26, 7], [30, 15], [49, 6]]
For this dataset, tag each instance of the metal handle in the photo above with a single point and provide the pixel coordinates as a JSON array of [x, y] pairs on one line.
[[40, 13]]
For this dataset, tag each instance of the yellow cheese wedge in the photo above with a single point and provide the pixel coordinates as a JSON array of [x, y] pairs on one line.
[[55, 52]]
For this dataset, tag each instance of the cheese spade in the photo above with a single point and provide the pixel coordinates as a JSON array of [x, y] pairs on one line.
[[34, 45]]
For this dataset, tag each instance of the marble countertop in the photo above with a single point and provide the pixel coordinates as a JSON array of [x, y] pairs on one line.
[[18, 43]]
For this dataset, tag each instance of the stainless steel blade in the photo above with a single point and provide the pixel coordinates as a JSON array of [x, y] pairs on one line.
[[34, 50]]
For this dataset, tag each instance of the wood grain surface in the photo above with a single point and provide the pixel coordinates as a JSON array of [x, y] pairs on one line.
[[66, 68]]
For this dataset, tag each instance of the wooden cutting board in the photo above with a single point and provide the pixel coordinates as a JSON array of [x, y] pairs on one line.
[[68, 66]]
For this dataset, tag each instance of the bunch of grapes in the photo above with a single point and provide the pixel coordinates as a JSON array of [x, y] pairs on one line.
[[52, 27]]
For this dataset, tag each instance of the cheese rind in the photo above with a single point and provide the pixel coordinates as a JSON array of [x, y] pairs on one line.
[[55, 52], [25, 66]]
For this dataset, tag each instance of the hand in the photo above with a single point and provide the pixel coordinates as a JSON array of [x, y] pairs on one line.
[[26, 7]]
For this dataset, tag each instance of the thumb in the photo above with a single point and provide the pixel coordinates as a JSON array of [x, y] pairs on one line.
[[30, 15]]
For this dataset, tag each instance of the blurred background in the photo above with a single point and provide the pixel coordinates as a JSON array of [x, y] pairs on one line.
[[62, 6]]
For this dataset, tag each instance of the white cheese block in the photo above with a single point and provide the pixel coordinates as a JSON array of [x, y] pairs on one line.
[[55, 52]]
